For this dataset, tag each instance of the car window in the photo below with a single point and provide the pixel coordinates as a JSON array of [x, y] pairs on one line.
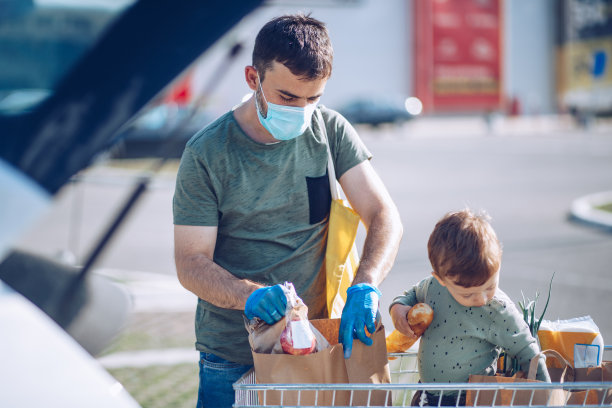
[[41, 40]]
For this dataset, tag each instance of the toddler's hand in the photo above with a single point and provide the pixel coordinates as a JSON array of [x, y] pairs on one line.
[[399, 316]]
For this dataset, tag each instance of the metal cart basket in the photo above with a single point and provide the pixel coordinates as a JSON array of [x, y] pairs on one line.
[[404, 383]]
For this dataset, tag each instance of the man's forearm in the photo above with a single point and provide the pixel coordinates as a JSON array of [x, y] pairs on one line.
[[210, 282], [380, 247]]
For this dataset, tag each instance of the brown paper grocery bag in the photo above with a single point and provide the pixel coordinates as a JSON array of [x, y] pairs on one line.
[[602, 373], [555, 397], [368, 364], [550, 397]]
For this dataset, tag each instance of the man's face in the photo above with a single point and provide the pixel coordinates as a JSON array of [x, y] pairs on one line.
[[474, 296], [281, 87]]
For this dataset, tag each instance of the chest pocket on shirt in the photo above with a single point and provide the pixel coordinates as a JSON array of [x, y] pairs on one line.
[[319, 197]]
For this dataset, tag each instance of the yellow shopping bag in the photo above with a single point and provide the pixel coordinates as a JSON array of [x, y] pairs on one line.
[[341, 257]]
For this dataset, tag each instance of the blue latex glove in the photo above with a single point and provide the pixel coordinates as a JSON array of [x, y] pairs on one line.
[[268, 303], [360, 310]]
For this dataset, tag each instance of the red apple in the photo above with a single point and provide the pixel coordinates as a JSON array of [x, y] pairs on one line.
[[297, 338]]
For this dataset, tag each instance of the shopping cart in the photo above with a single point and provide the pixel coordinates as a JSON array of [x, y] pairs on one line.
[[404, 383]]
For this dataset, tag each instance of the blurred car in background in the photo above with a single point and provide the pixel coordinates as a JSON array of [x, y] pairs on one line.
[[165, 125], [378, 111], [162, 130]]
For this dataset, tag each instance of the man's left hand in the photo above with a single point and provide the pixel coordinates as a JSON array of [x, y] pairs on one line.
[[360, 312]]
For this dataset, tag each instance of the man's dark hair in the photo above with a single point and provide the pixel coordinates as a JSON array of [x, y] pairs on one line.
[[299, 42]]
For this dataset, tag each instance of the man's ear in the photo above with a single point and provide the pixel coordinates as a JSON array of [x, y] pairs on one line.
[[438, 278], [250, 75]]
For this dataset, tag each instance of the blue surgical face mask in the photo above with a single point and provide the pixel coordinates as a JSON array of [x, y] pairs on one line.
[[284, 122]]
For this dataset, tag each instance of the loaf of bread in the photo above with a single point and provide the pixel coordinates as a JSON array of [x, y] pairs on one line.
[[419, 317]]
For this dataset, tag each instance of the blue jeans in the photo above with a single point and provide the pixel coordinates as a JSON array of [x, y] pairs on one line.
[[216, 378]]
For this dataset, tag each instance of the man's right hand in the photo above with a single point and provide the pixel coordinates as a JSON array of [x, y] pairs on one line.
[[267, 303]]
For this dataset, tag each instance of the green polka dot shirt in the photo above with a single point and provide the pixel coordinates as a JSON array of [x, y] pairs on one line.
[[468, 340]]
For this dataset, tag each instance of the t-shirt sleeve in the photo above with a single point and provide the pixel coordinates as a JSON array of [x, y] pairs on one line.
[[348, 150], [414, 295], [194, 202], [510, 331]]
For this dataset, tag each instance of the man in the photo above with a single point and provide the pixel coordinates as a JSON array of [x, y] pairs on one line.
[[252, 202]]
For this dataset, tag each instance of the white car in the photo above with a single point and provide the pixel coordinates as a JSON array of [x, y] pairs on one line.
[[72, 74]]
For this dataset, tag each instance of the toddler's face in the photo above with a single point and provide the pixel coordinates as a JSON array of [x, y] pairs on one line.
[[474, 296]]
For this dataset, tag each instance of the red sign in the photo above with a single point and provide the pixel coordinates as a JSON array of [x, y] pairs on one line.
[[458, 54]]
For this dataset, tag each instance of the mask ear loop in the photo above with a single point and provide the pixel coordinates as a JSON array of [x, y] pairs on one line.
[[265, 116]]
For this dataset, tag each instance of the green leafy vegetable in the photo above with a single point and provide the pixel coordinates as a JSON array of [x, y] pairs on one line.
[[527, 308]]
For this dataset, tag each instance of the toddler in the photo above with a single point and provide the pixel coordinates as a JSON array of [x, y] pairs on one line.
[[473, 319]]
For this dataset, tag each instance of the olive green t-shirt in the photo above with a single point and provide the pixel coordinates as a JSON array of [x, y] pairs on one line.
[[468, 340], [270, 203]]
